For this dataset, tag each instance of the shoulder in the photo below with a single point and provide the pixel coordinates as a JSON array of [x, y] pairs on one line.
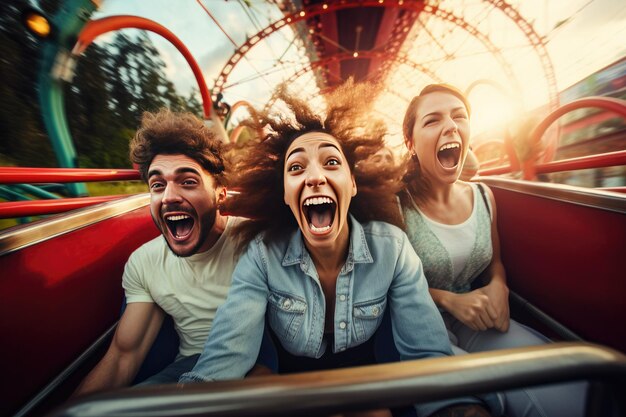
[[378, 232], [277, 245], [150, 250], [484, 192]]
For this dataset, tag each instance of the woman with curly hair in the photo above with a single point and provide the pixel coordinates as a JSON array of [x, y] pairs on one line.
[[324, 265]]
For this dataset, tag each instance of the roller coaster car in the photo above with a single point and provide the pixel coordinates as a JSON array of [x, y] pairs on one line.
[[563, 247]]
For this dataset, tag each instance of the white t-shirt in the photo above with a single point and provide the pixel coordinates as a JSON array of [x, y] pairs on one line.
[[458, 239], [189, 289]]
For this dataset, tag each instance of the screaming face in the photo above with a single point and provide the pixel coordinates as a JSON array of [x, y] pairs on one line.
[[318, 188], [441, 136], [183, 202]]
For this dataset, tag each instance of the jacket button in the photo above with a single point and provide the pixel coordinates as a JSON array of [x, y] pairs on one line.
[[342, 325], [376, 310], [342, 297], [287, 304]]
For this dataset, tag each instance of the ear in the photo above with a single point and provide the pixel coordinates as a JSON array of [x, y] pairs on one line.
[[409, 144], [221, 195], [353, 186]]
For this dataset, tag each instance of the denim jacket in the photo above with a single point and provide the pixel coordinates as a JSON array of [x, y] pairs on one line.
[[279, 279]]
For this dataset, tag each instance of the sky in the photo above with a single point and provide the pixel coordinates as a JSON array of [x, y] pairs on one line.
[[582, 36]]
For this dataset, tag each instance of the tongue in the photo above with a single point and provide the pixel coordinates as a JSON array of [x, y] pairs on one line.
[[321, 218], [183, 227], [447, 159]]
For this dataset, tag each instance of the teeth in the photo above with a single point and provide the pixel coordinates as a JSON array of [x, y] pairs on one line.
[[319, 229], [177, 218], [449, 146], [317, 200]]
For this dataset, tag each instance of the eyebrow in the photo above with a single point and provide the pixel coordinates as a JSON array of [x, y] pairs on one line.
[[294, 151], [181, 170], [438, 112], [324, 145]]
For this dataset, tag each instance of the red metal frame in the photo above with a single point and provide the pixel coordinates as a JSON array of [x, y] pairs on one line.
[[607, 103], [95, 28], [60, 295], [13, 209], [530, 168], [584, 162], [318, 9], [23, 175], [342, 56]]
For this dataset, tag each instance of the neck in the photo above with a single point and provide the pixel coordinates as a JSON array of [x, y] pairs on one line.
[[219, 225], [439, 193], [331, 258]]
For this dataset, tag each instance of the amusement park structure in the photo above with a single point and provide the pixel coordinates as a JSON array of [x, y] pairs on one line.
[[61, 274]]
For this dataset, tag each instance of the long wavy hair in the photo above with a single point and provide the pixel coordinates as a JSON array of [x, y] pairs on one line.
[[414, 181], [257, 174]]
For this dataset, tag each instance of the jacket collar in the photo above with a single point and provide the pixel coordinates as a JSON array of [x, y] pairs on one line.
[[358, 250]]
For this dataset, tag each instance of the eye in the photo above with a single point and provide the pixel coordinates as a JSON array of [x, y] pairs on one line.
[[156, 186], [460, 116], [294, 167], [190, 182], [429, 122], [333, 161]]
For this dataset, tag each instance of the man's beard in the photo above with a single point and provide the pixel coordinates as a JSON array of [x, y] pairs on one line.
[[205, 224]]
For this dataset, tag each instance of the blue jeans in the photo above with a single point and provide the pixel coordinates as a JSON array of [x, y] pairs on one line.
[[172, 372], [567, 400]]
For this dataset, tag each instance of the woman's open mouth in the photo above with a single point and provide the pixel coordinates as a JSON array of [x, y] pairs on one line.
[[449, 155], [179, 225], [319, 213]]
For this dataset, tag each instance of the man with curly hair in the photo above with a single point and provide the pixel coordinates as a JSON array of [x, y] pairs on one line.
[[186, 271]]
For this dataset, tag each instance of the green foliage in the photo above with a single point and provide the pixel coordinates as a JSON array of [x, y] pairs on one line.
[[23, 141], [114, 84], [116, 187], [112, 88]]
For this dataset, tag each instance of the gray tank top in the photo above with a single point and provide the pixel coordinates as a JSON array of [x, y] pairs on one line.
[[436, 259]]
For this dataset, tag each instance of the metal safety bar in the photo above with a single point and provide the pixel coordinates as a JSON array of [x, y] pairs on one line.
[[368, 387]]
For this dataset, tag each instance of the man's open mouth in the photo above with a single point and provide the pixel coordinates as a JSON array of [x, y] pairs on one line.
[[319, 213], [179, 225], [449, 154]]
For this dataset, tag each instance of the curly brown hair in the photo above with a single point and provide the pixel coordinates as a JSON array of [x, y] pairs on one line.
[[167, 132], [258, 173]]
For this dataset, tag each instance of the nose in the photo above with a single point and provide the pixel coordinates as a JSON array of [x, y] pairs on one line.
[[450, 126], [315, 176], [171, 195]]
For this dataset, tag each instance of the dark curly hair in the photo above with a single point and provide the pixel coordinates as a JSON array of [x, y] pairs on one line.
[[167, 132], [258, 173]]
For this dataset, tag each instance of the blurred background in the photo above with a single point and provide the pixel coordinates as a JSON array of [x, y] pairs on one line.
[[517, 61]]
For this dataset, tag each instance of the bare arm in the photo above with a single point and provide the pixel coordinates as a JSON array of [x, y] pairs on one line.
[[473, 308], [486, 307], [134, 336]]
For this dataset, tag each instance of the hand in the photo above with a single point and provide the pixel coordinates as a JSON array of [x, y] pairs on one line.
[[259, 370], [473, 309], [498, 294]]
